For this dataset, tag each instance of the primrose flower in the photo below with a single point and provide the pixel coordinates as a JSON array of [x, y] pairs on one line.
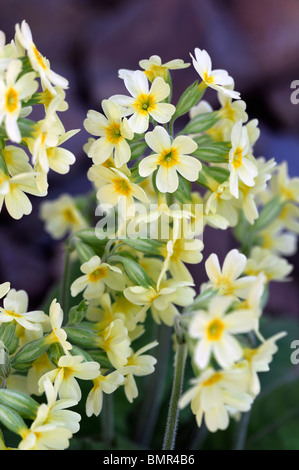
[[12, 193], [217, 79], [115, 187], [15, 307], [215, 332], [264, 261], [115, 341], [61, 216], [241, 165], [4, 289], [216, 394], [258, 360], [170, 158], [138, 364], [163, 299], [96, 276], [55, 411], [154, 68], [64, 377], [113, 132], [144, 102], [228, 280], [39, 63], [44, 437], [12, 91], [102, 384], [57, 335]]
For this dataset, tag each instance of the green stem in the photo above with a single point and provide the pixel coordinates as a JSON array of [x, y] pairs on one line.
[[108, 421], [155, 390], [242, 432], [64, 288], [173, 411]]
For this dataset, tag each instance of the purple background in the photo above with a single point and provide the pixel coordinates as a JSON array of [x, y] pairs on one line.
[[87, 41]]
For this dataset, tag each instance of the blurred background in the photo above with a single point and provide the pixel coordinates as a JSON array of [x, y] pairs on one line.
[[87, 41]]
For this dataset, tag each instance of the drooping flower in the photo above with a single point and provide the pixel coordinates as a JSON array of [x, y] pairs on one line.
[[39, 63], [217, 79], [15, 307], [102, 384], [170, 158], [241, 164], [215, 394]]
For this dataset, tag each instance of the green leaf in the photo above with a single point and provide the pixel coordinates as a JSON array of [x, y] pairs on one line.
[[188, 99], [201, 123], [145, 245], [268, 214], [215, 153], [137, 149], [85, 252]]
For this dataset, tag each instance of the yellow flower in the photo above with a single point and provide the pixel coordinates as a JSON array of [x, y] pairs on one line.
[[217, 79], [102, 384], [216, 394], [215, 332], [113, 132], [14, 309], [115, 341], [57, 335], [61, 216], [264, 261], [39, 63], [13, 91], [115, 187], [170, 158], [228, 281], [144, 102], [96, 276], [64, 377]]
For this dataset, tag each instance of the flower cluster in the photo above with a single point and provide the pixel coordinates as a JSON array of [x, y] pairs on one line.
[[156, 186], [29, 148]]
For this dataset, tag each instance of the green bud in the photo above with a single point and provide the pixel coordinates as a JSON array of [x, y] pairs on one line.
[[134, 271], [189, 98], [11, 419], [85, 252], [20, 402], [30, 352], [5, 366], [77, 313], [81, 336]]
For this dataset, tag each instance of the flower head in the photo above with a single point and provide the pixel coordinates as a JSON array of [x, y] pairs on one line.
[[144, 102], [170, 158], [113, 133], [217, 79]]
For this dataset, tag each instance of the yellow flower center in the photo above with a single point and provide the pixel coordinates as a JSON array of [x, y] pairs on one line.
[[168, 158], [212, 380], [11, 100], [69, 216], [237, 158], [39, 58], [97, 274], [215, 329], [208, 79], [156, 71], [113, 133], [122, 187], [145, 103]]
